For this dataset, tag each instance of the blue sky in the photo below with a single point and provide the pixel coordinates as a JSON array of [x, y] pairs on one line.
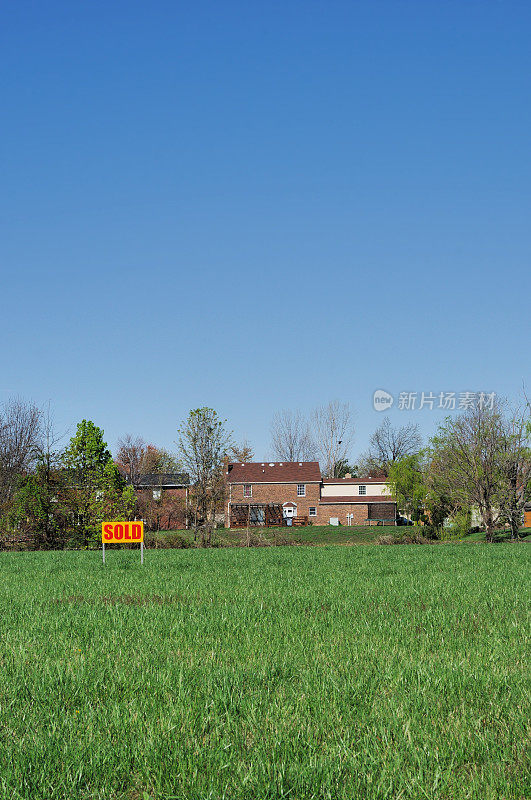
[[257, 206]]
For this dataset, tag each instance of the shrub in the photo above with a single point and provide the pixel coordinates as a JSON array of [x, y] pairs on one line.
[[409, 537], [166, 541]]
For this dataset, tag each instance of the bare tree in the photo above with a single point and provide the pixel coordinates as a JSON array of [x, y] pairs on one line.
[[333, 431], [20, 438], [388, 445], [203, 444], [130, 455], [39, 499], [290, 437], [515, 474], [241, 453], [467, 460]]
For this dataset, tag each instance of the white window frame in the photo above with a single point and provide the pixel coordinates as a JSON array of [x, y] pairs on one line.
[[312, 511], [247, 489], [362, 489], [157, 494], [301, 490]]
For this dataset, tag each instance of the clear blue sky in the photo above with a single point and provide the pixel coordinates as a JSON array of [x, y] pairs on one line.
[[262, 205]]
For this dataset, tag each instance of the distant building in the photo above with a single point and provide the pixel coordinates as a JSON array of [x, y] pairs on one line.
[[163, 497], [280, 492]]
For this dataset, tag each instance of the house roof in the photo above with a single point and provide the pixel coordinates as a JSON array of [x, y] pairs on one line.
[[163, 479], [274, 472], [357, 499], [380, 479]]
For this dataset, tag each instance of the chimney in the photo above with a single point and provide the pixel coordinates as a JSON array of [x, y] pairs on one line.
[[348, 475]]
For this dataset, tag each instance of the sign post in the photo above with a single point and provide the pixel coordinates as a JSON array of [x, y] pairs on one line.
[[120, 532]]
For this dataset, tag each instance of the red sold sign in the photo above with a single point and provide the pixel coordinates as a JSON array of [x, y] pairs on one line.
[[112, 532]]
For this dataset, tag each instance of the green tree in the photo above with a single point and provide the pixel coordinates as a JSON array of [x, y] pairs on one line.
[[407, 482], [39, 503], [96, 490], [342, 468]]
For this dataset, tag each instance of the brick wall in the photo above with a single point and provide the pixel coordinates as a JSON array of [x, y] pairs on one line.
[[287, 492], [167, 513], [340, 510], [278, 493]]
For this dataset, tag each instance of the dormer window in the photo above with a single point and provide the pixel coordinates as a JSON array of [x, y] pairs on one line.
[[362, 490]]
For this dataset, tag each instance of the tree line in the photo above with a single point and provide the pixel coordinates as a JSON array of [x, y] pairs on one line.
[[53, 496], [479, 460]]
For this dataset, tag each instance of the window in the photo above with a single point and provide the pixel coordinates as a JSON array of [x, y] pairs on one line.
[[247, 490], [362, 490], [157, 494], [313, 511], [301, 490]]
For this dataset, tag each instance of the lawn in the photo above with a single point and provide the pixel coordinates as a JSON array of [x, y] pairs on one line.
[[283, 672], [321, 535], [311, 534]]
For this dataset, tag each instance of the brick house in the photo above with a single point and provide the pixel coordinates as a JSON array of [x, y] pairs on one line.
[[272, 493], [365, 500], [162, 499]]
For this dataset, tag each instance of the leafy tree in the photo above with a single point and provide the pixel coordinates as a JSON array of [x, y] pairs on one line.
[[20, 437], [342, 469], [96, 490], [203, 443], [38, 505], [87, 451], [407, 483]]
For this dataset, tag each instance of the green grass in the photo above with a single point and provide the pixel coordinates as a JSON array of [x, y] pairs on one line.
[[311, 534], [289, 672]]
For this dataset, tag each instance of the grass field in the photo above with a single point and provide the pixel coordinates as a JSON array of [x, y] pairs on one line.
[[297, 672], [325, 534], [311, 534]]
